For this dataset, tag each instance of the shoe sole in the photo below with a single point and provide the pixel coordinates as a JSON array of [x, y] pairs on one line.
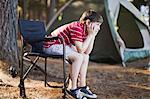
[[74, 96], [89, 96]]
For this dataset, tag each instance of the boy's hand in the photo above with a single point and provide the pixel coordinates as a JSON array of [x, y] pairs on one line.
[[90, 29], [95, 32]]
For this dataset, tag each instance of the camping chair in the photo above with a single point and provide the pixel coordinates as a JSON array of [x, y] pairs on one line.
[[34, 34]]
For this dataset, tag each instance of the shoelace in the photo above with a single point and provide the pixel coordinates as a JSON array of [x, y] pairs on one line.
[[88, 89], [79, 94]]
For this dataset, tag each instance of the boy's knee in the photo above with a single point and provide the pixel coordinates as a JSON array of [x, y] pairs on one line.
[[76, 57], [85, 56], [79, 56]]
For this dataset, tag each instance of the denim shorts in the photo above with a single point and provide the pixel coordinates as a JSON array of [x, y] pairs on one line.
[[57, 49]]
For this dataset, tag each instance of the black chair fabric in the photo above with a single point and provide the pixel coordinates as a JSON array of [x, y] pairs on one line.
[[34, 34]]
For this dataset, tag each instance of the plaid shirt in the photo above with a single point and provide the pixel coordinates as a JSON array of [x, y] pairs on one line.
[[71, 32]]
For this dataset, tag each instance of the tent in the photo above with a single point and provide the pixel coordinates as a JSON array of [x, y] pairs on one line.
[[124, 36], [127, 37]]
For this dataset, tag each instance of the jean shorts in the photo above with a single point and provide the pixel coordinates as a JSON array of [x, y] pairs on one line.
[[57, 49]]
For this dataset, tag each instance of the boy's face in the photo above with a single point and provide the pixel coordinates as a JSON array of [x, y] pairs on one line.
[[96, 26], [93, 26]]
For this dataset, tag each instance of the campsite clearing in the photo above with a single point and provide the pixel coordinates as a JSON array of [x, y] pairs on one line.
[[108, 81]]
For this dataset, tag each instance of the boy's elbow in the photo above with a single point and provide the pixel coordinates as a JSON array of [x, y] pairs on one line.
[[87, 52], [80, 50]]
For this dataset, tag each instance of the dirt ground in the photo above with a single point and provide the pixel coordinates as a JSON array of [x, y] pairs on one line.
[[108, 81]]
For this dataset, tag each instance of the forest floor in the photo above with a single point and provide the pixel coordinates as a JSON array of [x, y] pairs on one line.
[[108, 81]]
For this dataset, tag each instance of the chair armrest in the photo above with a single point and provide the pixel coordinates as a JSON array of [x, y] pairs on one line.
[[48, 38]]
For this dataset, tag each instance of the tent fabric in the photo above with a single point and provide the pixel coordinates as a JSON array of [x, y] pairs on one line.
[[128, 5], [112, 9], [132, 55], [123, 34]]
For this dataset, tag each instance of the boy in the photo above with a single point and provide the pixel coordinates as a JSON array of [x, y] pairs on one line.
[[79, 38]]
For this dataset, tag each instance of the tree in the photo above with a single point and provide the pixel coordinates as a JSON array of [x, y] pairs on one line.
[[57, 14], [51, 4], [8, 34]]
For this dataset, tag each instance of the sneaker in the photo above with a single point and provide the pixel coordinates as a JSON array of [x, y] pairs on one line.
[[76, 93], [87, 93]]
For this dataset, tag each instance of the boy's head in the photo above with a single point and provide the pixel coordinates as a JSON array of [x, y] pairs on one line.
[[92, 16], [92, 20]]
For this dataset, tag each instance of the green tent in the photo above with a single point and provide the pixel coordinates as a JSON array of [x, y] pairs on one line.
[[124, 36], [130, 34]]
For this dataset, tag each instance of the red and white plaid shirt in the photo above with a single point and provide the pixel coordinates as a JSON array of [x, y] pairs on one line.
[[71, 32]]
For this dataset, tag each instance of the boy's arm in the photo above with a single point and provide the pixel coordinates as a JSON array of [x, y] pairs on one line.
[[83, 46], [90, 47]]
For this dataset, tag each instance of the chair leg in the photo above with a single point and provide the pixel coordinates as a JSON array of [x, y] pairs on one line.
[[64, 69], [33, 64], [45, 82], [22, 89], [64, 73], [21, 84]]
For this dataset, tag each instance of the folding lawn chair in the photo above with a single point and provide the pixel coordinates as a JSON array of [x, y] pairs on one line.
[[34, 34]]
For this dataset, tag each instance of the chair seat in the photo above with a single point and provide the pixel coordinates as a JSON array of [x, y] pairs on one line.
[[33, 33], [44, 55]]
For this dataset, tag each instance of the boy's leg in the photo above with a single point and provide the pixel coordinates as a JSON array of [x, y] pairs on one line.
[[69, 80], [77, 60], [83, 70], [75, 57]]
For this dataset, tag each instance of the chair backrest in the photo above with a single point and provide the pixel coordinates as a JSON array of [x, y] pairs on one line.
[[33, 33]]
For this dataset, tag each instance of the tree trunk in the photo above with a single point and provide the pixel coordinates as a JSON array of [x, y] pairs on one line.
[[24, 9], [51, 4], [58, 12], [8, 33]]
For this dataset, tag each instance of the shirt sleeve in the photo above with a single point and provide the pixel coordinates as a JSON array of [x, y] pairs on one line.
[[76, 34]]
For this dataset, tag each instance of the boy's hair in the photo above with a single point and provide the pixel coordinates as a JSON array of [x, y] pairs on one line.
[[92, 16]]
